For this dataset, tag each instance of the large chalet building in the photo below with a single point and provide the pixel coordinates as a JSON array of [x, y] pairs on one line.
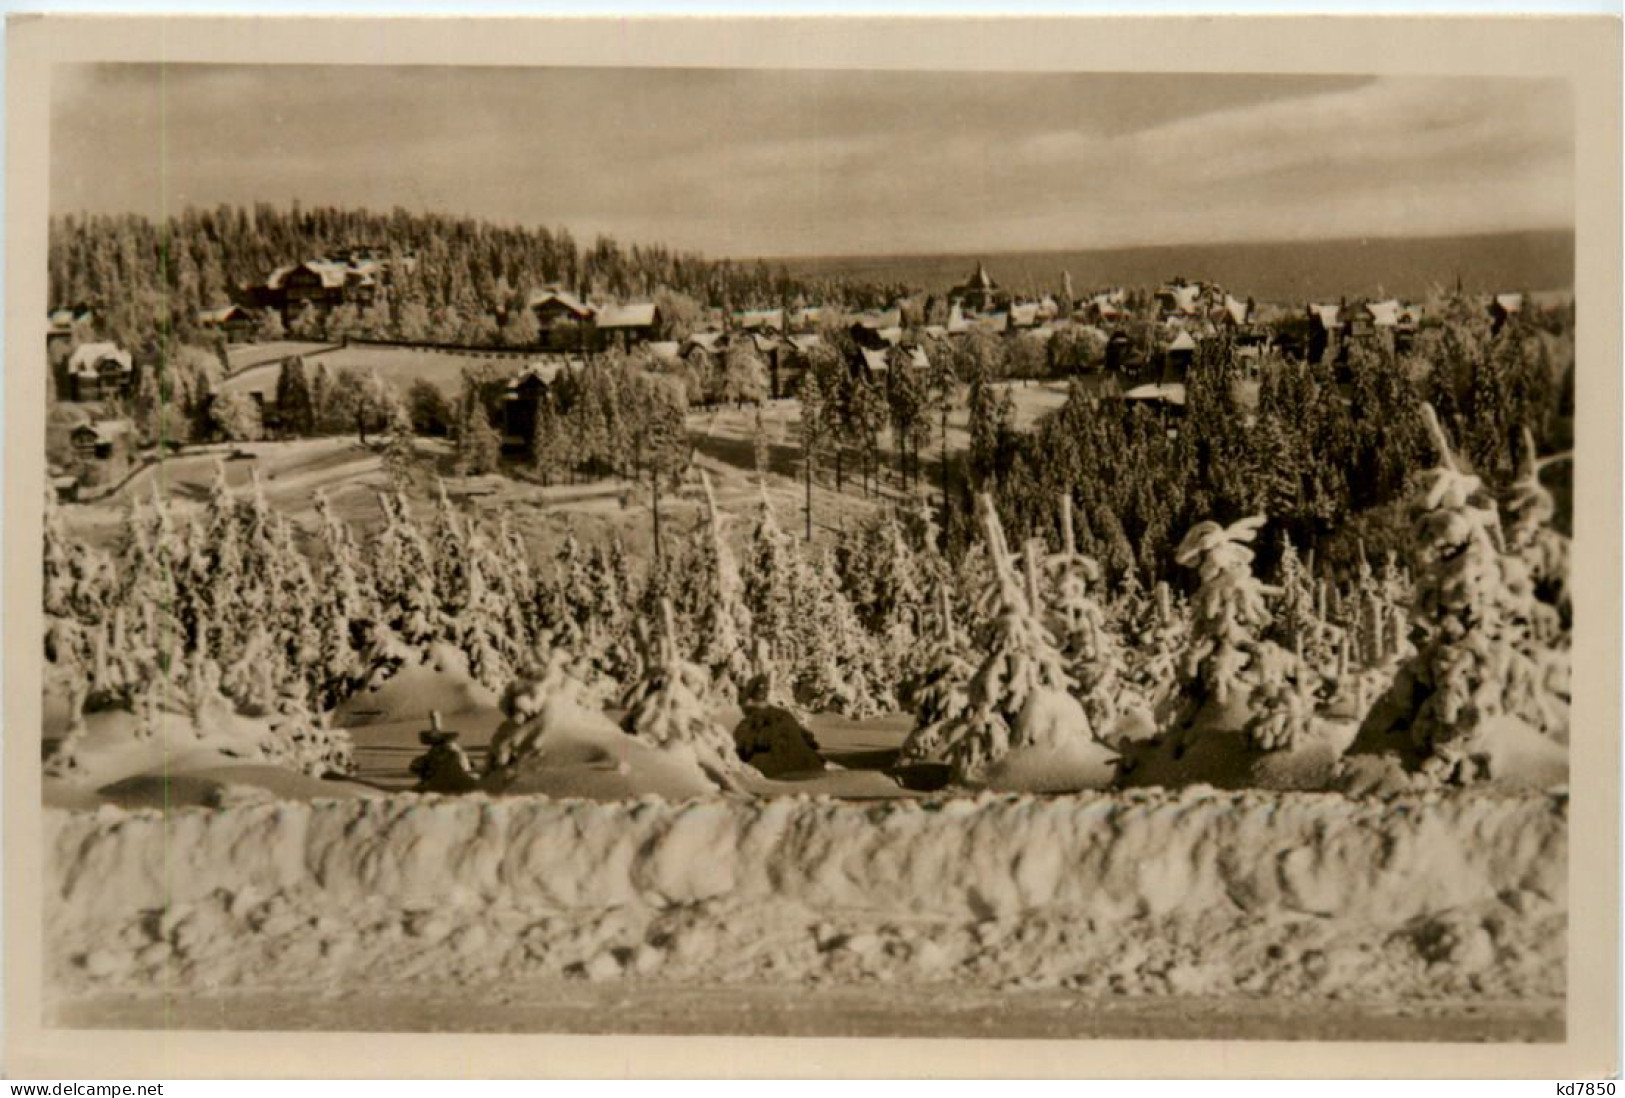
[[569, 324], [324, 283]]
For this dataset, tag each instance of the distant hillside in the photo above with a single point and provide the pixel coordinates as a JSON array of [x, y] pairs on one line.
[[1287, 271]]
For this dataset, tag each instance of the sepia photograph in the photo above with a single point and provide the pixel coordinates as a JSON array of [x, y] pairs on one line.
[[759, 550]]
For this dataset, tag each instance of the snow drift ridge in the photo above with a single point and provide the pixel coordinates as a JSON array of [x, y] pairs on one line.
[[1103, 857]]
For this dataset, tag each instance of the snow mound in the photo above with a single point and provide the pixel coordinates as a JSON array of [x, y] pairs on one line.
[[1060, 768], [1504, 753], [441, 681], [223, 787], [557, 742], [600, 762], [110, 745], [773, 740]]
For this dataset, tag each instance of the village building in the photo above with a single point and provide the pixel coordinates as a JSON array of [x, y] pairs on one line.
[[565, 321], [1120, 353], [522, 401], [60, 323], [979, 293], [103, 450], [626, 326], [99, 371], [1180, 298], [234, 321], [1503, 307], [1325, 326], [754, 320], [872, 363], [1024, 316], [1180, 354], [323, 283]]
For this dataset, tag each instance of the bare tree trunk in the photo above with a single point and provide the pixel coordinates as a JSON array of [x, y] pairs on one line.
[[654, 491]]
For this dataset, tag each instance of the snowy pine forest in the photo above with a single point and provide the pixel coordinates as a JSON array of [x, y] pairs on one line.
[[1439, 657]]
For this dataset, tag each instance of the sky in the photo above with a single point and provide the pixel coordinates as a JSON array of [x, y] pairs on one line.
[[779, 162]]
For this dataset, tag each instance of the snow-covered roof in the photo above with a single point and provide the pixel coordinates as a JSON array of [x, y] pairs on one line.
[[1510, 303], [1326, 314], [104, 430], [1184, 297], [546, 371], [1024, 315], [1182, 342], [570, 301], [750, 319], [915, 357], [664, 348], [935, 331], [87, 358], [219, 314], [705, 341], [62, 318], [1171, 393], [332, 275], [1236, 308], [638, 314], [1384, 314], [879, 321], [806, 341], [876, 361]]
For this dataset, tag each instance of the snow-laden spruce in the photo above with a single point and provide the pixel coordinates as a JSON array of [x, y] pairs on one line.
[[1233, 678], [1480, 697], [669, 707], [1093, 651], [942, 693], [1021, 724]]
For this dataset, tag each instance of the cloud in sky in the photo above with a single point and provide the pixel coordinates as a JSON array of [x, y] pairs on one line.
[[781, 162]]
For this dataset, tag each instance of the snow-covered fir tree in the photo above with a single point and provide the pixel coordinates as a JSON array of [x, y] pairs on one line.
[[403, 571], [942, 693], [1233, 679], [1082, 626], [1544, 550], [1475, 606], [668, 708], [712, 600], [1020, 695], [344, 610]]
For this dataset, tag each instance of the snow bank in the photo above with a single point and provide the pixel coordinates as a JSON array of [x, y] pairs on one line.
[[1130, 894], [1107, 857]]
